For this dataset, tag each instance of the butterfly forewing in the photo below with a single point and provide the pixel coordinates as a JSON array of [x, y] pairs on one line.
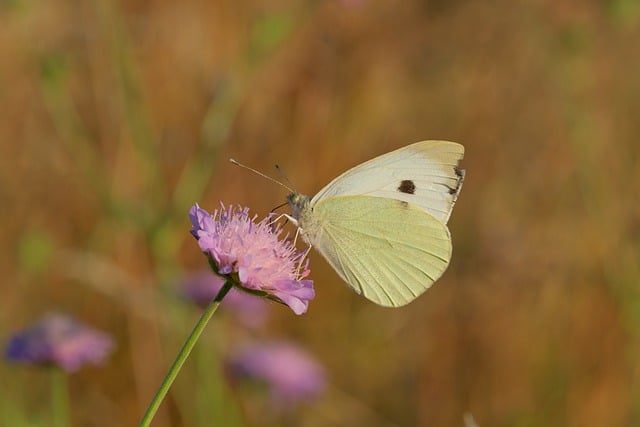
[[424, 174]]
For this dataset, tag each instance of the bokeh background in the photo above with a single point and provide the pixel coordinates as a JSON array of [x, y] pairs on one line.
[[117, 116]]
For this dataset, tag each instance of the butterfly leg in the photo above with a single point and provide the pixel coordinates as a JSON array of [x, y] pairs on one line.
[[279, 217], [302, 259], [295, 238]]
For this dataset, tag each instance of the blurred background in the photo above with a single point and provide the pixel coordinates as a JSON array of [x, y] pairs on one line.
[[118, 116]]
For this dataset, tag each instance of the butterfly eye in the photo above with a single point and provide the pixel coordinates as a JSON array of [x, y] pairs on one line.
[[407, 186]]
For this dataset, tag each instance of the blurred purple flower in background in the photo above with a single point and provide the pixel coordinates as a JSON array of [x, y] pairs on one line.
[[201, 287], [291, 374], [57, 339], [251, 255]]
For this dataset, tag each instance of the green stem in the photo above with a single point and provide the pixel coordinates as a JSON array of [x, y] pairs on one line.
[[59, 397], [182, 356]]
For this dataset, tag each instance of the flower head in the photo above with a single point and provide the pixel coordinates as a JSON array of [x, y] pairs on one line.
[[251, 255], [291, 374], [202, 286], [57, 339]]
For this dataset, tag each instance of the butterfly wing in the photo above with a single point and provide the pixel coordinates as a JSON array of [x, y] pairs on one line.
[[424, 174], [387, 250]]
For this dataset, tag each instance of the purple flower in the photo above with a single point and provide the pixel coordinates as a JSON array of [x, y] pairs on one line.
[[201, 287], [250, 254], [57, 339], [290, 373]]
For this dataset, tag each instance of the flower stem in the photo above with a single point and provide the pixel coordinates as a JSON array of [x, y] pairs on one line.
[[182, 356], [59, 397]]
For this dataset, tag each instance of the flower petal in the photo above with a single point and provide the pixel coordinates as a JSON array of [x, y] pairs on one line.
[[253, 251]]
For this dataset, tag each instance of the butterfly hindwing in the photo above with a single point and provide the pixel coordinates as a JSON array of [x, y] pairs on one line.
[[388, 250]]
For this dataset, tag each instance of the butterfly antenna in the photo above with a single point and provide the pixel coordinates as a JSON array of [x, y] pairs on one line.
[[284, 176], [262, 175]]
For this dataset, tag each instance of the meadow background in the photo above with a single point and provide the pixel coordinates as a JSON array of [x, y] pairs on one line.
[[115, 117]]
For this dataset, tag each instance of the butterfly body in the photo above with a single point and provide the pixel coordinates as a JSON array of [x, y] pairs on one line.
[[382, 225]]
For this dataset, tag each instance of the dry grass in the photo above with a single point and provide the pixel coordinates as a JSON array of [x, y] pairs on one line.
[[117, 117]]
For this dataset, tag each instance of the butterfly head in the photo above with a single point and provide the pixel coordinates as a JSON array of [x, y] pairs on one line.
[[299, 203]]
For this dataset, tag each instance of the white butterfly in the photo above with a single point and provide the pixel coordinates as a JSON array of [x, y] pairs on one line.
[[382, 225]]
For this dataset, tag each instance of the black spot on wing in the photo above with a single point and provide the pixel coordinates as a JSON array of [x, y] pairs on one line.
[[460, 174], [407, 186]]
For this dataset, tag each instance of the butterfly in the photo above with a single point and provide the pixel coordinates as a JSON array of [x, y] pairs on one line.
[[382, 225]]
